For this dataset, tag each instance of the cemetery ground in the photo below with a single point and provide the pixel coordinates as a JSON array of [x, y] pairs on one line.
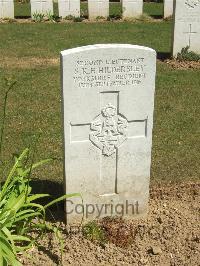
[[29, 54]]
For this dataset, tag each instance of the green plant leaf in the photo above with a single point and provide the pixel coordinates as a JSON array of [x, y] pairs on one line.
[[8, 252], [37, 196], [27, 171], [24, 153], [24, 212], [26, 216], [9, 217], [36, 205], [21, 238], [62, 198], [10, 238], [17, 203]]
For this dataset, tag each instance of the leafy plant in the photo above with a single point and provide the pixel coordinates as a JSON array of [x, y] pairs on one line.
[[100, 18], [187, 55], [69, 17], [74, 19], [51, 17], [20, 213], [94, 232], [77, 19], [38, 17], [114, 16]]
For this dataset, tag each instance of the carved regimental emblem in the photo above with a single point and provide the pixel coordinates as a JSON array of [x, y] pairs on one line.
[[108, 130]]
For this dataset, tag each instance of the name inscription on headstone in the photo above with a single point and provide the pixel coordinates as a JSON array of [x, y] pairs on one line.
[[109, 73], [192, 3], [191, 13]]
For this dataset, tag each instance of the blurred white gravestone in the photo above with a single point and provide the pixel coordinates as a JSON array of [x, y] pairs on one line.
[[168, 8], [132, 8], [98, 8], [186, 26], [41, 7], [108, 102], [69, 8], [6, 9]]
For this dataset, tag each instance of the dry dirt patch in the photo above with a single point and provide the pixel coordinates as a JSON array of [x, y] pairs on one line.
[[168, 236], [32, 62], [27, 62], [176, 64]]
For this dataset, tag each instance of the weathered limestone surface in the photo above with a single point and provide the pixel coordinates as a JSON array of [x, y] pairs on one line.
[[132, 8], [168, 8], [6, 9], [69, 8], [98, 8], [108, 102]]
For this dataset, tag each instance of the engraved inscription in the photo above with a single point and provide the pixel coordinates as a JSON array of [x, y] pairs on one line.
[[192, 3], [109, 72], [191, 12], [108, 130]]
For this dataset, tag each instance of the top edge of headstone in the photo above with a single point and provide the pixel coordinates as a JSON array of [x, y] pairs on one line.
[[97, 46]]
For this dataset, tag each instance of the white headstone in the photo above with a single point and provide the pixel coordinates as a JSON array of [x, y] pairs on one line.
[[186, 25], [6, 9], [108, 102], [98, 8], [168, 8], [132, 8], [41, 7], [69, 8]]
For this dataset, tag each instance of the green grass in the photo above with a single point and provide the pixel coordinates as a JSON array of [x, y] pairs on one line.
[[35, 108], [152, 9], [47, 40]]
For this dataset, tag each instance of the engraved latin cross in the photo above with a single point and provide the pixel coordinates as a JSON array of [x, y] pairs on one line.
[[107, 132], [190, 32]]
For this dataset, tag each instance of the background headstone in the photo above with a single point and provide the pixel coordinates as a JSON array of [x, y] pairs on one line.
[[186, 25], [108, 101], [6, 9], [98, 8], [69, 7], [41, 7], [168, 8], [132, 8]]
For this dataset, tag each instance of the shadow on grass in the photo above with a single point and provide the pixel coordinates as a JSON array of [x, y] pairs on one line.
[[56, 212], [22, 17], [163, 56], [157, 16]]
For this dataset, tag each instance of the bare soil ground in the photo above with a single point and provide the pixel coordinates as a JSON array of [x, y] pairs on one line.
[[27, 62], [176, 64], [168, 236], [33, 62]]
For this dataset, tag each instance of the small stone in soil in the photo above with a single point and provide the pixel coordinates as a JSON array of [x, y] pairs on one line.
[[155, 250]]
